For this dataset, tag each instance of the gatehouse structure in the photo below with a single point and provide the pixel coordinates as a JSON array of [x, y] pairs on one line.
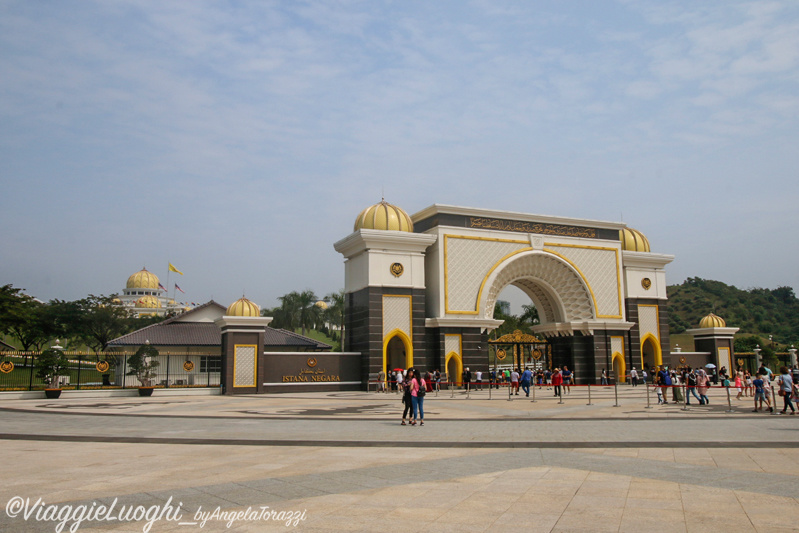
[[421, 289]]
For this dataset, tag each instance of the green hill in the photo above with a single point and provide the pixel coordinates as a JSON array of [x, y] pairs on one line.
[[757, 311]]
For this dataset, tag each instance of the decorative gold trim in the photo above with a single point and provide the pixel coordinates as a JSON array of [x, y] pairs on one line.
[[646, 283], [405, 341], [397, 269], [618, 274], [476, 311], [255, 364], [501, 354], [623, 377], [6, 367], [188, 366], [102, 366], [658, 350], [405, 337]]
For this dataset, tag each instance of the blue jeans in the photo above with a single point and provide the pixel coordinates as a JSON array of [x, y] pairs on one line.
[[692, 390], [418, 403], [526, 387]]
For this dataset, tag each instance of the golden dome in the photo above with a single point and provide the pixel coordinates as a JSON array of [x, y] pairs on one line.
[[384, 216], [633, 240], [321, 304], [149, 302], [712, 321], [243, 307], [143, 280]]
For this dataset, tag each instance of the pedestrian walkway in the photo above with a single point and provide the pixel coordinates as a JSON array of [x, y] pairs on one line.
[[343, 458]]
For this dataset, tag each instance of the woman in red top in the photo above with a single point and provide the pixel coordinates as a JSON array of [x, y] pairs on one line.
[[557, 380]]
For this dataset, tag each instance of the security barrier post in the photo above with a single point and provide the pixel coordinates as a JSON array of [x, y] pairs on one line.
[[616, 393], [685, 397], [589, 395], [729, 399], [773, 400], [648, 406], [533, 388]]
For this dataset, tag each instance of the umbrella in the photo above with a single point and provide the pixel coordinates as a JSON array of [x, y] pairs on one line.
[[398, 370], [710, 365]]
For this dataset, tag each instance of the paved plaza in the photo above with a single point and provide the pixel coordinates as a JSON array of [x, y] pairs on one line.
[[344, 460]]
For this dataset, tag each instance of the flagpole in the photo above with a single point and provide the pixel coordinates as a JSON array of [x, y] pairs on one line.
[[167, 283]]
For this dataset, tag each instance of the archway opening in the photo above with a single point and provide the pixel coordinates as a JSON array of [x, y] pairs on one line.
[[650, 353], [454, 369], [619, 368], [396, 356]]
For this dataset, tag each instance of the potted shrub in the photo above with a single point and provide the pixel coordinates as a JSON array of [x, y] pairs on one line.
[[142, 364], [50, 366]]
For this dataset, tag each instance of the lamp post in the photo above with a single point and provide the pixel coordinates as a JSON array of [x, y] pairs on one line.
[[757, 351]]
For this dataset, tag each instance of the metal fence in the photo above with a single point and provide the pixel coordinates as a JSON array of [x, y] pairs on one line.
[[109, 371]]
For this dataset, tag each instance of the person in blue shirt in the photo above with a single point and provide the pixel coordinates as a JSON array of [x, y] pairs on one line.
[[526, 377], [568, 376]]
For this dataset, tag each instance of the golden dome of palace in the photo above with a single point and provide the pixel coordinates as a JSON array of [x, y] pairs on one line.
[[384, 216], [321, 304], [149, 302], [243, 307], [633, 240], [143, 280], [712, 321]]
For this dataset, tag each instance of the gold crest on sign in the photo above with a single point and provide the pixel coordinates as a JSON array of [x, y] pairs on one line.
[[188, 366], [646, 283], [102, 366], [740, 362], [6, 367], [312, 362], [682, 360], [397, 269], [536, 354], [501, 354]]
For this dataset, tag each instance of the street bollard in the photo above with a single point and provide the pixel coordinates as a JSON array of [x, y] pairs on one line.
[[589, 395], [648, 406], [452, 389], [510, 396], [468, 391], [773, 401], [533, 400], [489, 389], [616, 392], [729, 400], [560, 398]]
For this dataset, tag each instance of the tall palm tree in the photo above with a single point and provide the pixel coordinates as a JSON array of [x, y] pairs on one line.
[[306, 309], [335, 312]]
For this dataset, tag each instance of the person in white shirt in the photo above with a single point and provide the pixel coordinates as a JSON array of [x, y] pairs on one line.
[[478, 376]]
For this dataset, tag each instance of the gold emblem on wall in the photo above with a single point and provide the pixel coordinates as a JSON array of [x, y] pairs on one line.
[[682, 360], [6, 367], [397, 269], [102, 366], [646, 283], [501, 354], [312, 362], [188, 366], [536, 354], [740, 362]]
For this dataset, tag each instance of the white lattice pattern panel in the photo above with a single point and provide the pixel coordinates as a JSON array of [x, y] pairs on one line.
[[468, 263], [568, 286], [648, 320], [601, 271], [244, 356], [396, 314], [617, 345], [452, 343]]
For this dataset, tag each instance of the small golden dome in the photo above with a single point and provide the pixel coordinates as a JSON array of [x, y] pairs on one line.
[[384, 216], [243, 307], [143, 280], [321, 305], [149, 302], [633, 240], [712, 321]]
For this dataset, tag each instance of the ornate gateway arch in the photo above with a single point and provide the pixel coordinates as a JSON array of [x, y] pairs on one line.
[[433, 280]]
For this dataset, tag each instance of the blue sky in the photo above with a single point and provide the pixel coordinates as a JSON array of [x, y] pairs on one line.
[[239, 140]]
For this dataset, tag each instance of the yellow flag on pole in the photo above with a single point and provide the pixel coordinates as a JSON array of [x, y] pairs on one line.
[[173, 269]]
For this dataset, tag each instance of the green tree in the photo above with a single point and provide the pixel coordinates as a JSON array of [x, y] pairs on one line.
[[102, 320], [21, 317], [335, 311]]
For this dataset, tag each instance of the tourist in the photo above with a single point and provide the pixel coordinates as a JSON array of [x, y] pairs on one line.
[[437, 376], [604, 377], [526, 377], [478, 378], [467, 379], [676, 390], [429, 381], [760, 393], [398, 380], [634, 377], [548, 377], [739, 378], [747, 384], [644, 375], [785, 390], [690, 383], [514, 381], [663, 380], [702, 386], [557, 380], [568, 376], [417, 398], [492, 379], [381, 381], [405, 387]]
